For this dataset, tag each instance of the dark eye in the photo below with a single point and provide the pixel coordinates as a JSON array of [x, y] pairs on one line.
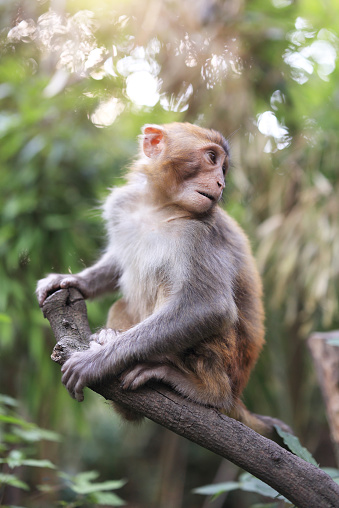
[[224, 168], [212, 156]]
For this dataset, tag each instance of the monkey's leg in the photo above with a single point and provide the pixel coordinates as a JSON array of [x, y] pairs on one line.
[[203, 392], [212, 390], [118, 317]]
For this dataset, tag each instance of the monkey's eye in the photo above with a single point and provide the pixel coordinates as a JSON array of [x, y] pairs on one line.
[[224, 168], [212, 156]]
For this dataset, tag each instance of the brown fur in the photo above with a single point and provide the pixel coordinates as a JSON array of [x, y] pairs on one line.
[[118, 317]]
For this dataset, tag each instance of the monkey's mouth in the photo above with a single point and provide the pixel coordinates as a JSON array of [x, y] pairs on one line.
[[211, 198]]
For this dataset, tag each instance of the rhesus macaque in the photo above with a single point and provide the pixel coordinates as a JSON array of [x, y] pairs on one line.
[[191, 313]]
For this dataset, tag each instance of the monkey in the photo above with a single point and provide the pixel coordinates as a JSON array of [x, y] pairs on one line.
[[191, 312]]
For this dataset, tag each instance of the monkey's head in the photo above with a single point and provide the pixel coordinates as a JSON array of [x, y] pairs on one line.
[[185, 164]]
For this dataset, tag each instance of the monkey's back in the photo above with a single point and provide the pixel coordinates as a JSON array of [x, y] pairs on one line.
[[234, 349]]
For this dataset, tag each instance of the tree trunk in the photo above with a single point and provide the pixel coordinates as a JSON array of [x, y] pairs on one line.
[[326, 360]]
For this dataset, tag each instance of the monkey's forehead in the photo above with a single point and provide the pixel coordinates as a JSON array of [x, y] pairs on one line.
[[186, 130]]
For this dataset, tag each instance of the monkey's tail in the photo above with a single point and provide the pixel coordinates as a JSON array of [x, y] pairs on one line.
[[264, 425]]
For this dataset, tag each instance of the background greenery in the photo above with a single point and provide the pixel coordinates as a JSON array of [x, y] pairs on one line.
[[78, 79]]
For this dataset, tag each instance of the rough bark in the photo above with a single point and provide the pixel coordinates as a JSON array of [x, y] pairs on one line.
[[303, 484], [326, 361]]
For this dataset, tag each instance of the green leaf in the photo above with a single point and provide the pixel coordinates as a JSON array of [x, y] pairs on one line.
[[88, 488], [15, 458], [38, 463], [247, 483], [35, 434], [295, 446], [84, 477], [217, 488], [82, 483], [13, 481], [13, 420], [250, 483], [107, 498], [6, 400]]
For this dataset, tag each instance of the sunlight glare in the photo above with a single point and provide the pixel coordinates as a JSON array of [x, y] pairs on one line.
[[269, 125], [107, 112], [142, 88]]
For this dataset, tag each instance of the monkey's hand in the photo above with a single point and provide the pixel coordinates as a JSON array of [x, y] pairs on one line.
[[55, 281], [82, 369], [90, 366]]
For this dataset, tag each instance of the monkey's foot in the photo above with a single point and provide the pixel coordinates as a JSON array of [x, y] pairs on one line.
[[138, 375]]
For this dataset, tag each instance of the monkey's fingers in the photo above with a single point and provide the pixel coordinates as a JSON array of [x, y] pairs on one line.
[[46, 287], [78, 391], [140, 374], [56, 281], [68, 375], [70, 281], [95, 345], [74, 281], [79, 371], [74, 387], [129, 378]]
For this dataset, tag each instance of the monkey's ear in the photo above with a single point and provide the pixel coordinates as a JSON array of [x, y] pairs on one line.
[[153, 140]]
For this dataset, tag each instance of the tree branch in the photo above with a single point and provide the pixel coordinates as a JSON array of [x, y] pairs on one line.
[[303, 484]]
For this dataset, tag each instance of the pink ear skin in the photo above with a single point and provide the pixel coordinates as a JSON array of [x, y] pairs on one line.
[[153, 141]]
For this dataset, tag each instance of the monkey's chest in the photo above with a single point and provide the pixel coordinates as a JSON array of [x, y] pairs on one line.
[[145, 252]]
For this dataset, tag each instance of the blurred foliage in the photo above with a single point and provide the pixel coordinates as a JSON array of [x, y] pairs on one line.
[[249, 483], [19, 440], [77, 81]]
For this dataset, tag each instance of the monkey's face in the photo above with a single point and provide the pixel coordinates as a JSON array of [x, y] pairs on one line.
[[187, 164], [200, 185]]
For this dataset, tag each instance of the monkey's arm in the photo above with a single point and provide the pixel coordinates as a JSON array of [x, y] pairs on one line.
[[179, 325], [100, 278]]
